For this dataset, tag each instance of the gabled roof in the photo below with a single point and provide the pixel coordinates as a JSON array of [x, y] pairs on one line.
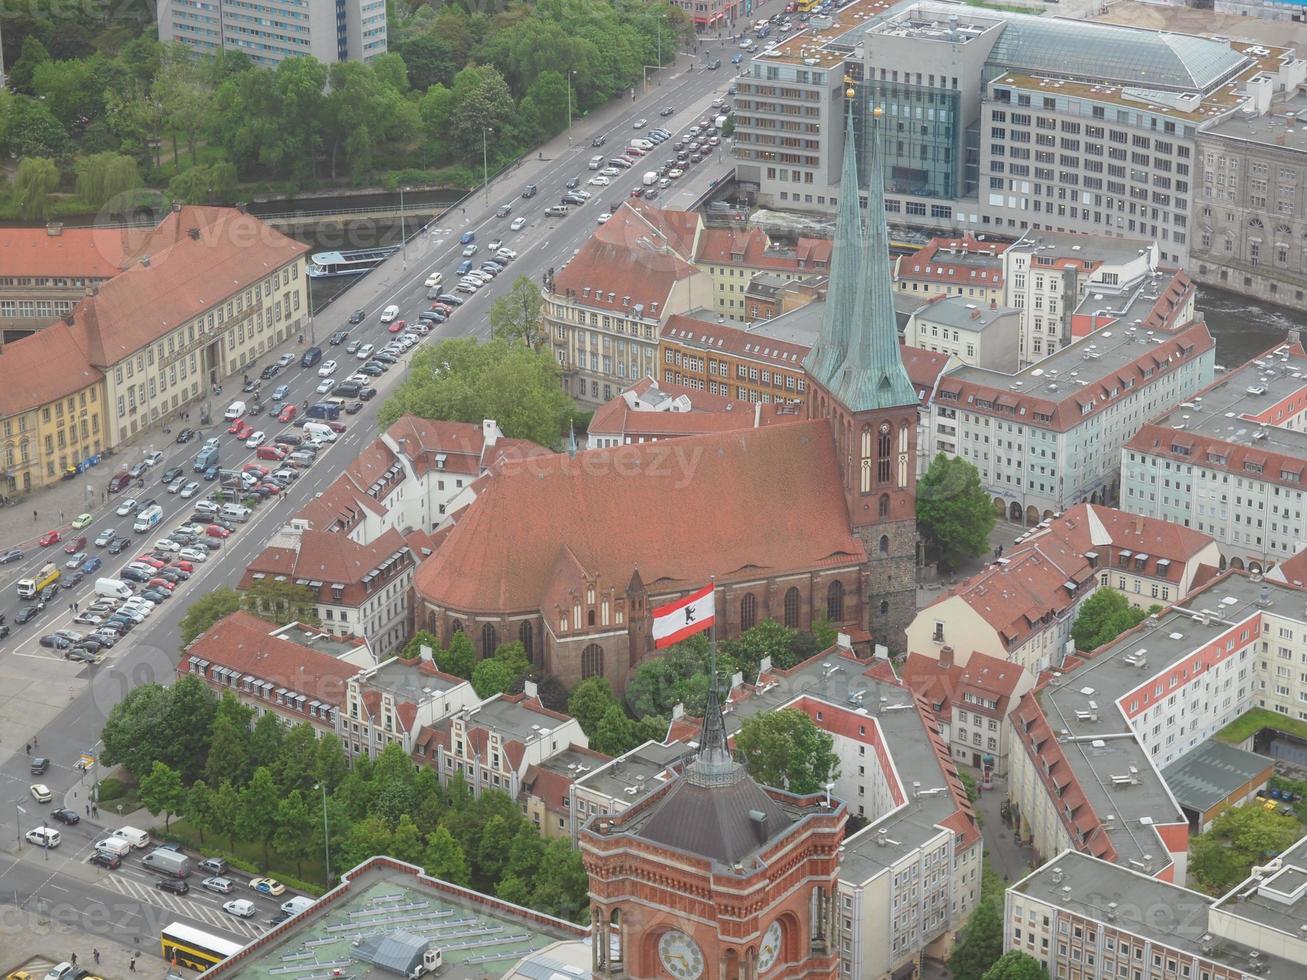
[[41, 368], [723, 504], [329, 559], [73, 253]]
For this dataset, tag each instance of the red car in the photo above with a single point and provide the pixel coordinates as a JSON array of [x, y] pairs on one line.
[[151, 561], [215, 531], [49, 538], [397, 326], [270, 452], [444, 308], [335, 426], [162, 583], [185, 566], [255, 468], [288, 413], [235, 426], [75, 545], [270, 487]]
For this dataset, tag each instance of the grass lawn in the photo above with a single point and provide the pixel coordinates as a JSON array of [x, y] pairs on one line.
[[1251, 722], [250, 855]]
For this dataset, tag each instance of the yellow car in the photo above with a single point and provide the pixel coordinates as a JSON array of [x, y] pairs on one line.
[[82, 520], [267, 886]]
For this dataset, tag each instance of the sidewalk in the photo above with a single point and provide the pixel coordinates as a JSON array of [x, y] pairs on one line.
[[47, 934]]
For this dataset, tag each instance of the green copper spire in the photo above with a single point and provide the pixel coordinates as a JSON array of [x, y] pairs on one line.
[[856, 357]]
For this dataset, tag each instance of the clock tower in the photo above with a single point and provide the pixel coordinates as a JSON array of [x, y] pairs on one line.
[[857, 381], [713, 877]]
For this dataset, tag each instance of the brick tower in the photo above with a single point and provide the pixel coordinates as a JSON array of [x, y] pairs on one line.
[[858, 382], [713, 877]]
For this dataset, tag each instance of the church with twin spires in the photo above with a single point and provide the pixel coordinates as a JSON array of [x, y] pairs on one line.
[[809, 519]]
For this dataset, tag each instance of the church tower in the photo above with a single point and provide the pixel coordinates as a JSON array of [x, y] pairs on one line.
[[858, 382], [713, 877]]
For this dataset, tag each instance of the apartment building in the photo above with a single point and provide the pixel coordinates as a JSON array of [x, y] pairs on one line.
[[46, 271], [1146, 304], [609, 788], [770, 294], [1085, 918], [1050, 435], [733, 257], [1250, 202], [761, 362], [392, 702], [1048, 274], [1022, 607], [1228, 460], [967, 267], [296, 673], [269, 31], [976, 334], [549, 788], [1038, 122], [494, 743]]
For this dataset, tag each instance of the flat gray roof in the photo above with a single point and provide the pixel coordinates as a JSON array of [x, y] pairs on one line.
[[316, 639], [961, 313], [1249, 390], [514, 719], [1127, 302], [409, 682], [480, 937], [1206, 776], [1272, 131], [1065, 244], [1278, 899], [641, 768], [1146, 906]]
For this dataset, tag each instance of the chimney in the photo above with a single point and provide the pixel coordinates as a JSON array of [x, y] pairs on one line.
[[176, 206], [489, 432], [194, 233], [946, 656], [424, 653], [145, 261], [54, 229], [759, 820], [530, 690], [1139, 524]]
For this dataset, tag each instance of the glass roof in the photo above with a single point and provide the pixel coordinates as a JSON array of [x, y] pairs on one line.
[[1119, 55]]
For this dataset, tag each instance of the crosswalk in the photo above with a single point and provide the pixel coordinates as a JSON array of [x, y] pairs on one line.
[[146, 892]]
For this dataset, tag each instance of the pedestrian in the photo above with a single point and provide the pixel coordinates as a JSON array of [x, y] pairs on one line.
[[73, 959], [36, 742], [132, 965], [61, 517], [88, 813], [95, 954], [77, 607], [95, 809], [28, 747], [34, 517]]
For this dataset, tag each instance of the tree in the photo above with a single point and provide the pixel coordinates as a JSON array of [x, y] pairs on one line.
[[413, 648], [428, 59], [329, 766], [281, 602], [33, 183], [406, 842], [133, 733], [768, 639], [516, 316], [1239, 838], [1104, 616], [257, 817], [787, 750], [981, 944], [229, 745], [184, 91], [162, 792], [547, 101], [954, 513], [188, 710], [491, 677], [492, 851], [615, 733], [295, 767], [205, 184], [444, 859], [266, 740], [463, 381], [483, 106], [1016, 965], [224, 809], [679, 676], [207, 610], [22, 74], [561, 887], [295, 825], [199, 808], [459, 657], [590, 701]]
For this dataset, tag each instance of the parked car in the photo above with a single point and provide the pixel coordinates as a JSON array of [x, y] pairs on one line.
[[222, 886], [267, 886]]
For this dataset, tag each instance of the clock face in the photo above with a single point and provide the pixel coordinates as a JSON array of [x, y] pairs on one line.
[[884, 427], [680, 955], [770, 948]]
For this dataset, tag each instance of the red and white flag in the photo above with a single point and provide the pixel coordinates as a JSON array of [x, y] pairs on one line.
[[677, 620]]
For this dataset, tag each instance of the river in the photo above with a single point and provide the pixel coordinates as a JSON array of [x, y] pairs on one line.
[[1244, 328]]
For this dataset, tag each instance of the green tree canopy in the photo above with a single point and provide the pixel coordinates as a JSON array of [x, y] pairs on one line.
[[787, 750], [207, 610], [981, 944], [106, 178], [36, 179], [459, 657], [590, 700], [1239, 838], [413, 648], [1016, 965], [460, 380], [1103, 617], [954, 513], [515, 317], [615, 733], [281, 602], [162, 792]]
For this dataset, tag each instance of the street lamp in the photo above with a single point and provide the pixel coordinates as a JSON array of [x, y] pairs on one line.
[[403, 238], [18, 821], [326, 837], [485, 162], [570, 73]]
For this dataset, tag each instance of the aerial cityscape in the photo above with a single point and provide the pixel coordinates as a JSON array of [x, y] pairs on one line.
[[729, 489]]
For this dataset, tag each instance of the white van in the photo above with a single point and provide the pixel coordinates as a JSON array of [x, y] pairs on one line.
[[296, 905], [234, 411], [596, 161], [316, 430], [114, 588], [390, 314], [236, 512], [115, 846], [640, 144], [147, 519], [134, 836], [650, 178]]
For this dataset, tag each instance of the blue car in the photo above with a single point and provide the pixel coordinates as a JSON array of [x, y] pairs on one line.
[[465, 267], [211, 473], [467, 238], [737, 58], [92, 564], [280, 392]]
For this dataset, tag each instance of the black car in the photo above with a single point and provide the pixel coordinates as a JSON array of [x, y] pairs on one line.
[[666, 111], [599, 140], [372, 369], [133, 575], [346, 389], [185, 436], [353, 408], [69, 817], [27, 614], [150, 502], [450, 299], [4, 631], [503, 211], [358, 316], [13, 554], [573, 183], [385, 358], [338, 338], [49, 592], [174, 885], [103, 859], [270, 372], [575, 199], [92, 644], [171, 473], [156, 595], [367, 394], [118, 545], [54, 641], [72, 580], [39, 765]]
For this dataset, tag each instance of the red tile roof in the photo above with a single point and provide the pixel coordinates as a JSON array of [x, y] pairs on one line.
[[677, 229], [924, 368], [332, 559], [41, 368], [724, 338], [243, 642], [965, 261], [230, 252], [709, 413], [74, 253], [726, 505]]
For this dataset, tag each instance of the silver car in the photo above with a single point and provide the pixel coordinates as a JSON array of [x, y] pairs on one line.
[[222, 886]]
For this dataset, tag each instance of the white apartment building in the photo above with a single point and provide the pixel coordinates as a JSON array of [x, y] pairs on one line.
[[978, 335], [1050, 435], [1228, 460], [393, 701], [269, 31], [1047, 274]]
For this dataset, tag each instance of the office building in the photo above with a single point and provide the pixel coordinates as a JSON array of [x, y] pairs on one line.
[[977, 334], [269, 31], [1228, 460]]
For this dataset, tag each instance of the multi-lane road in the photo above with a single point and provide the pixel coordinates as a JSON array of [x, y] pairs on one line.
[[67, 703]]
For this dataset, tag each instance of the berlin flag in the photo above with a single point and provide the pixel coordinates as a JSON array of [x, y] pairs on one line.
[[677, 620]]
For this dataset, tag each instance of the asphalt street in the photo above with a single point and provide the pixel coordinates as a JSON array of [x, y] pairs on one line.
[[67, 703]]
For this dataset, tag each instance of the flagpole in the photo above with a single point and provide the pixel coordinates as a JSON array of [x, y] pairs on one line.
[[712, 637]]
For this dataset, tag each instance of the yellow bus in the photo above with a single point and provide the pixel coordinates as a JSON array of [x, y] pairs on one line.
[[805, 6], [30, 588], [185, 945]]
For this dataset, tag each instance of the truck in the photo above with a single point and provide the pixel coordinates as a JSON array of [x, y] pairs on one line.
[[113, 588], [324, 410], [167, 862], [147, 519], [650, 178], [30, 588], [206, 457]]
